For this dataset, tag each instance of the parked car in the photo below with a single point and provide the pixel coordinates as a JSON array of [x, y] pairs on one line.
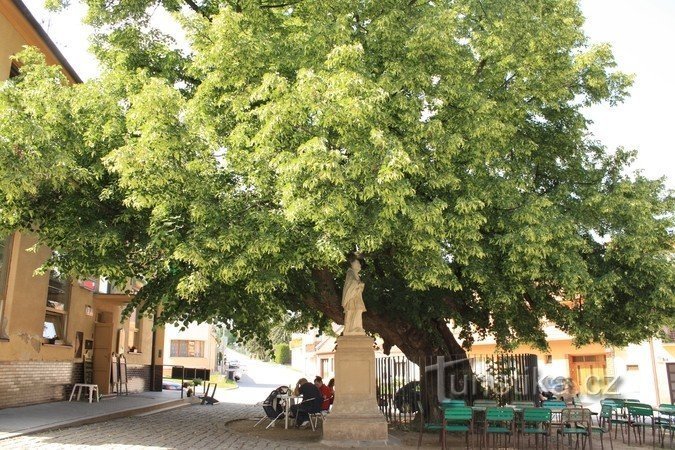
[[170, 385], [406, 398]]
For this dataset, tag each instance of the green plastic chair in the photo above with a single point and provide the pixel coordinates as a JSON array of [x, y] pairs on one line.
[[485, 403], [452, 403], [604, 425], [499, 422], [457, 419], [666, 423], [640, 417], [537, 422], [575, 422], [522, 404], [426, 426], [618, 418]]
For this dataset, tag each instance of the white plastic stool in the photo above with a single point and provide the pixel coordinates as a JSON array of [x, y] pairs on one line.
[[78, 387]]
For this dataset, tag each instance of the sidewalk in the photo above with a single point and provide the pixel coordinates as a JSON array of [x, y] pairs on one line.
[[48, 416]]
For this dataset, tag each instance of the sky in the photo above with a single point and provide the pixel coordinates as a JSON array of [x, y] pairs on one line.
[[642, 35]]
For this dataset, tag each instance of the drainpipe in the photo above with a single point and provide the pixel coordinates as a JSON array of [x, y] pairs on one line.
[[654, 373], [153, 366]]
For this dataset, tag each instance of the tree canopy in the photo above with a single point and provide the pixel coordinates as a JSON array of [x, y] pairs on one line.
[[445, 141]]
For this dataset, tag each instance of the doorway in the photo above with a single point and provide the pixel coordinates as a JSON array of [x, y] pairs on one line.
[[588, 373], [103, 340]]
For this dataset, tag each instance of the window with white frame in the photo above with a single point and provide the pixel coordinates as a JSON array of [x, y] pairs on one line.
[[56, 314]]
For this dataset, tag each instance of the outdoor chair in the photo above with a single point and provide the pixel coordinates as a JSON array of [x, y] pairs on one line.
[[498, 422], [537, 422], [618, 419], [315, 417], [575, 422], [665, 422], [604, 425], [425, 425], [640, 416], [522, 404], [556, 406], [458, 419], [449, 403], [273, 406], [485, 403], [208, 397], [304, 406]]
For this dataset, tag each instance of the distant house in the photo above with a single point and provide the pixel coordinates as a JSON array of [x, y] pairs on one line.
[[314, 354], [54, 332], [645, 371], [196, 347]]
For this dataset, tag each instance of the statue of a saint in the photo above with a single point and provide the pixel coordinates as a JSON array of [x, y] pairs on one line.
[[352, 299]]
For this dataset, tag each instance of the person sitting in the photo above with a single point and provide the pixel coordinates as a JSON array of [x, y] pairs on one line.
[[311, 401], [331, 385], [326, 393]]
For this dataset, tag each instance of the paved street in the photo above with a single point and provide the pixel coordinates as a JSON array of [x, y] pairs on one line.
[[206, 427], [188, 427]]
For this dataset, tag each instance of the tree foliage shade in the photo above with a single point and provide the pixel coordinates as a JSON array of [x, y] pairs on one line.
[[444, 140]]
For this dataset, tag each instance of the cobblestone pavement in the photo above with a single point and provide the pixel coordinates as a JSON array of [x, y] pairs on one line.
[[189, 427]]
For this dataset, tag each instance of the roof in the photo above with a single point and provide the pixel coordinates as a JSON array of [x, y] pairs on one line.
[[25, 12]]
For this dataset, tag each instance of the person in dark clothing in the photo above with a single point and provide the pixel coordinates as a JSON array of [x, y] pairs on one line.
[[311, 401]]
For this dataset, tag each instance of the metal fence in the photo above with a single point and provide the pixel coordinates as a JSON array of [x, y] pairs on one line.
[[402, 385]]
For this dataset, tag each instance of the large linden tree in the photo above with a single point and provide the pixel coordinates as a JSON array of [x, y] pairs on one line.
[[236, 167]]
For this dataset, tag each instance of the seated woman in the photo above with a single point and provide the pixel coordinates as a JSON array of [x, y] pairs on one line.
[[326, 393], [311, 401]]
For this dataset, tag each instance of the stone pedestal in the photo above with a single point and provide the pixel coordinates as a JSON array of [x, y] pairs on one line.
[[355, 419]]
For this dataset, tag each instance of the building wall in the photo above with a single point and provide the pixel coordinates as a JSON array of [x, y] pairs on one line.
[[635, 371], [194, 332], [28, 382], [34, 371], [15, 32]]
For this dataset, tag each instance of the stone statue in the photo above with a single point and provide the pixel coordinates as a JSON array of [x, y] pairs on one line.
[[352, 299]]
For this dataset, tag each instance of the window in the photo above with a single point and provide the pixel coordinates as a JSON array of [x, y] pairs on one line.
[[135, 332], [5, 246], [56, 314], [13, 71], [192, 349]]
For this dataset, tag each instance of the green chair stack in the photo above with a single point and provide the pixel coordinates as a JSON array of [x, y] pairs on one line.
[[537, 422], [498, 422]]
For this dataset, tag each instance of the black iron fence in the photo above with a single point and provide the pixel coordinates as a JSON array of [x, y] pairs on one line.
[[403, 385]]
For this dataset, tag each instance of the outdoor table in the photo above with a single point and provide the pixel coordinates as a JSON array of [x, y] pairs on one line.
[[290, 399]]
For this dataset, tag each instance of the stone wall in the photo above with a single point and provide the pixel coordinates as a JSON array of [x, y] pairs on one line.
[[28, 382]]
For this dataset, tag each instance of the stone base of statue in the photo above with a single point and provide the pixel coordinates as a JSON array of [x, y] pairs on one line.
[[355, 419]]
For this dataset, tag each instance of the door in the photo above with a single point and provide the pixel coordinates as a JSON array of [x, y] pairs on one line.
[[670, 368], [588, 373], [103, 339]]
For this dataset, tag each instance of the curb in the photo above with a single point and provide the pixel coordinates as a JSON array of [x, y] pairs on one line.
[[143, 410]]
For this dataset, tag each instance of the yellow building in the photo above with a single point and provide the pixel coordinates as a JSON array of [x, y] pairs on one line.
[[645, 371], [54, 332]]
